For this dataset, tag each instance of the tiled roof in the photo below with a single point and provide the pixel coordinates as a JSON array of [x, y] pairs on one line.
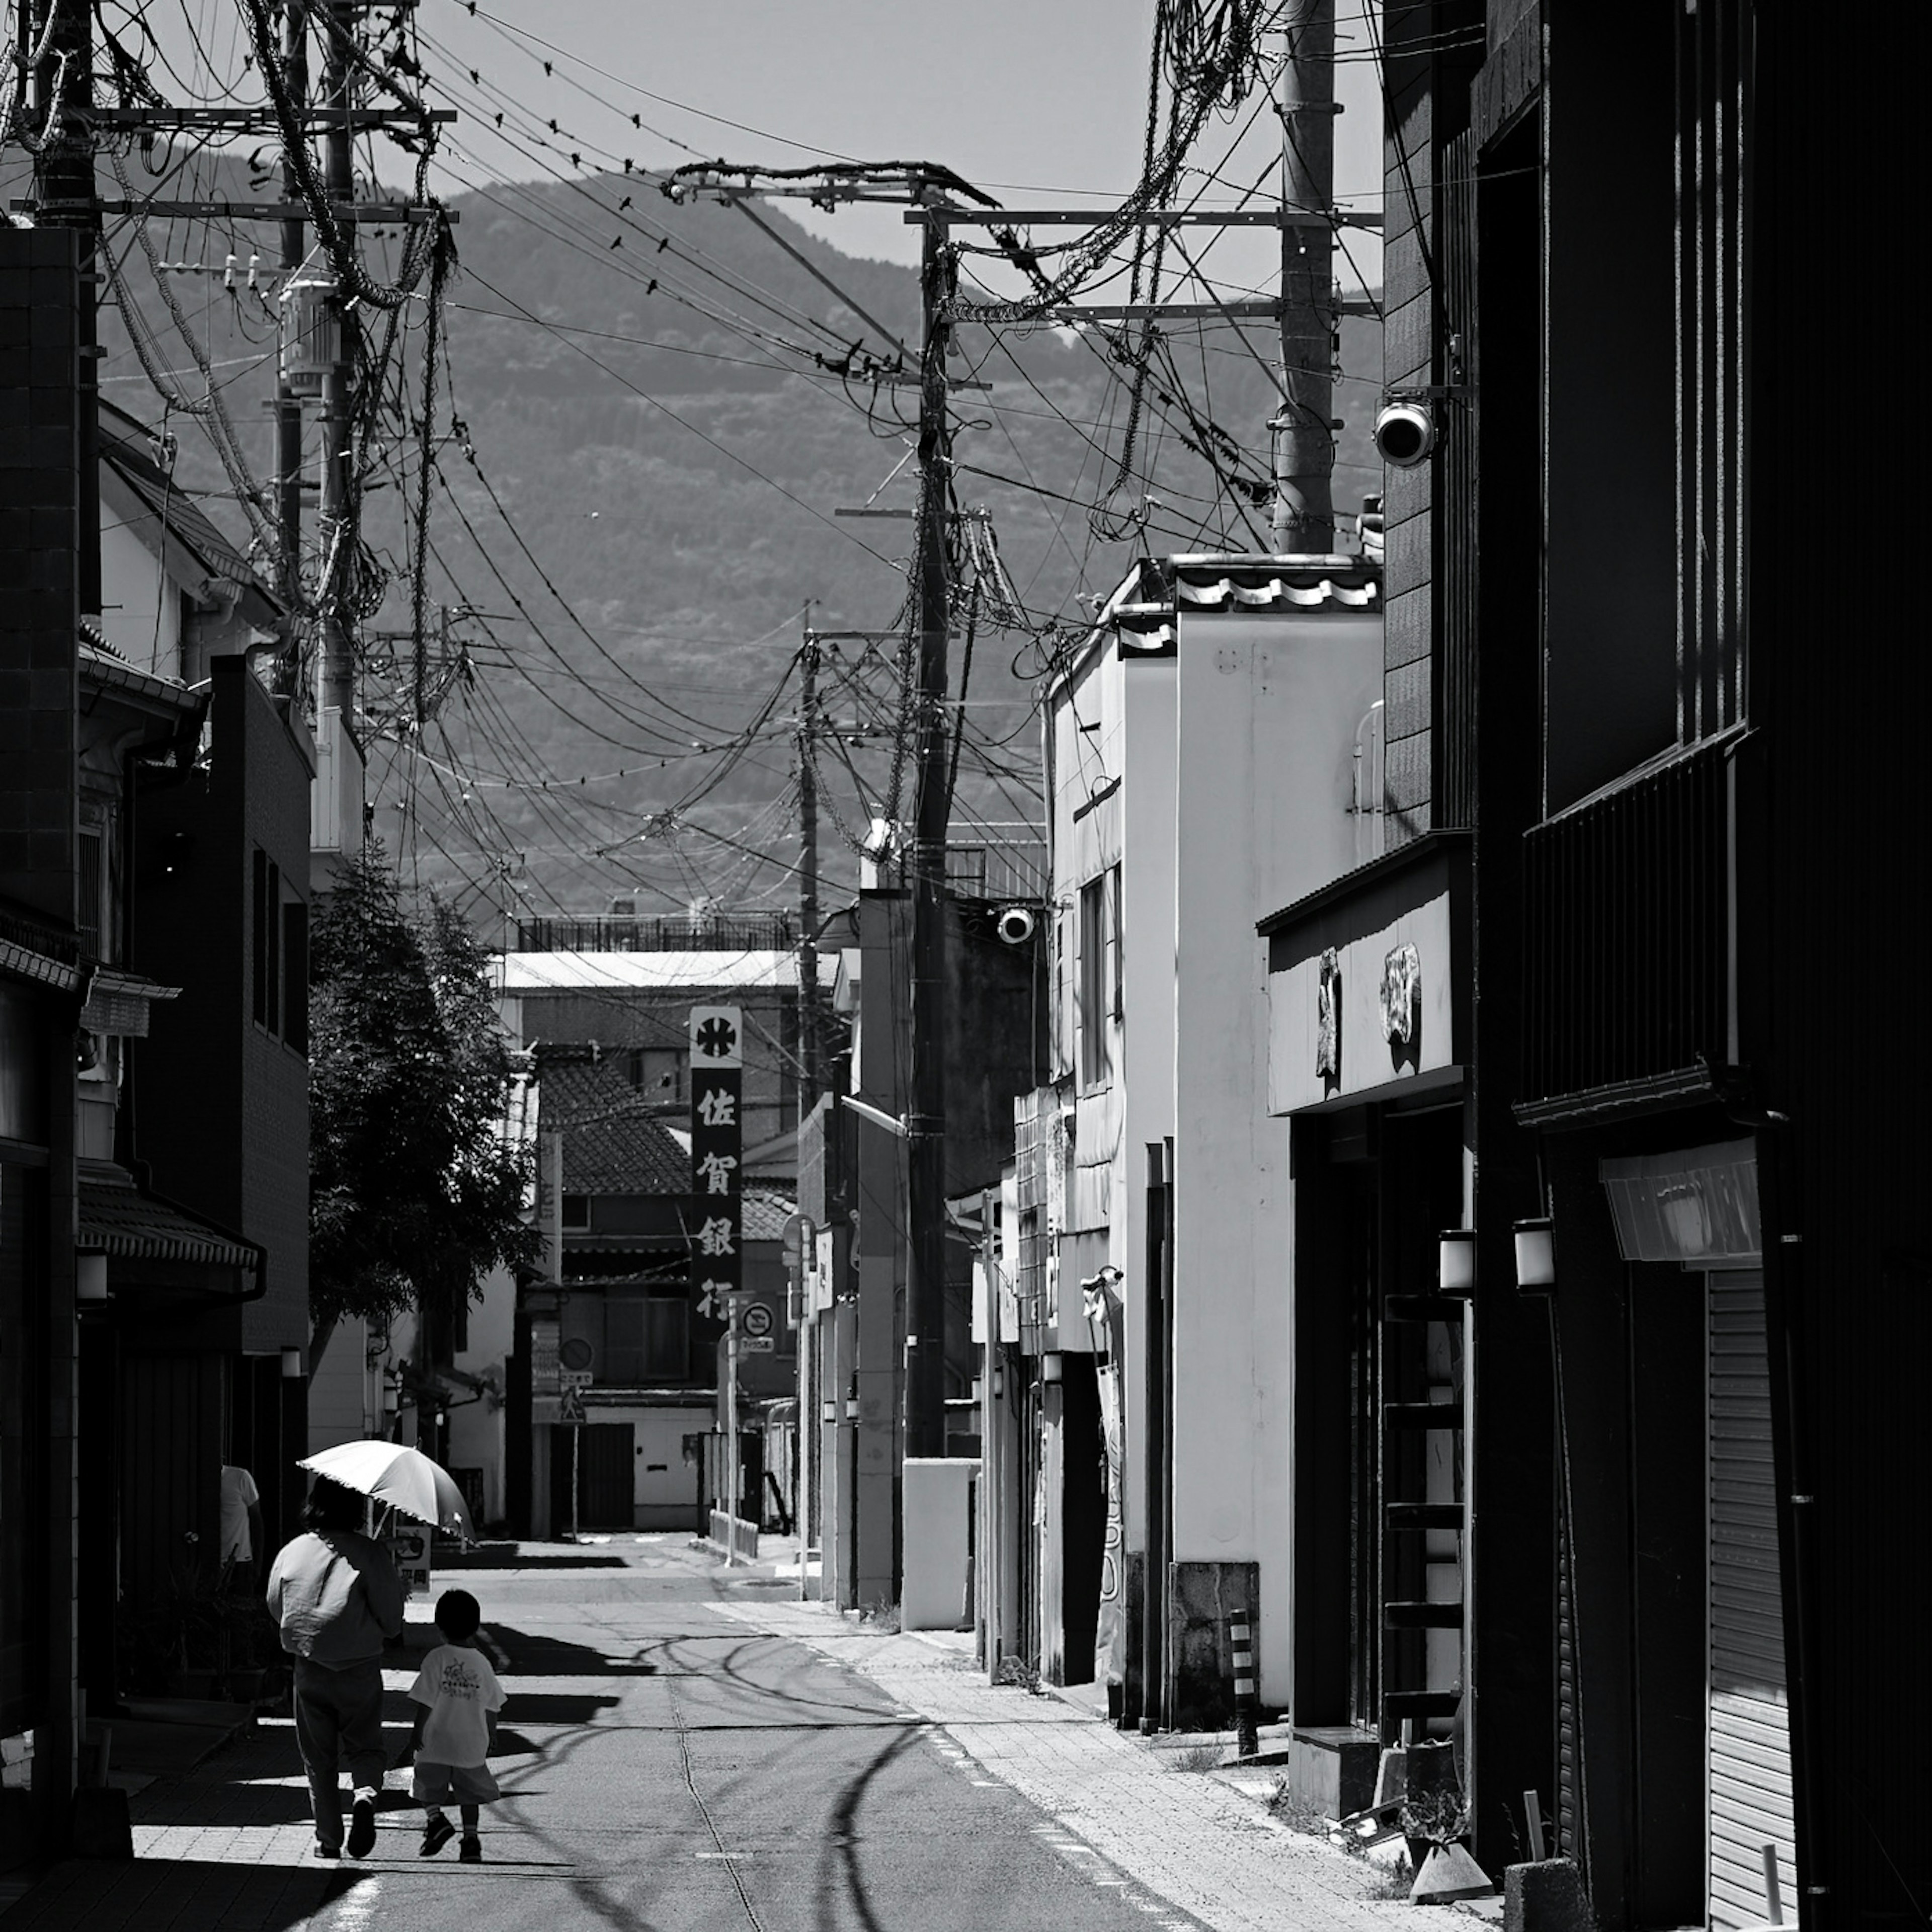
[[766, 1213], [119, 1219], [612, 1144], [123, 443]]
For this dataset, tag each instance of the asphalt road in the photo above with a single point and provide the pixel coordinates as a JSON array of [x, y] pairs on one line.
[[663, 1768]]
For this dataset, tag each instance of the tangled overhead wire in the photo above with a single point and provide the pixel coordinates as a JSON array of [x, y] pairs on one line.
[[1210, 51]]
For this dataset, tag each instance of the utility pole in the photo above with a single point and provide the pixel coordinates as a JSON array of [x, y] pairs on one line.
[[337, 692], [63, 189], [925, 1117], [812, 1080], [1304, 438], [63, 96], [288, 406]]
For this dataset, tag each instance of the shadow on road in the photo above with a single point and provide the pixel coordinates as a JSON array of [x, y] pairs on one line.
[[839, 1865], [113, 1894], [537, 1654]]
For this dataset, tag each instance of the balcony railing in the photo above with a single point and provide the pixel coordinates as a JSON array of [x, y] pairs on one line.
[[1627, 933], [712, 932]]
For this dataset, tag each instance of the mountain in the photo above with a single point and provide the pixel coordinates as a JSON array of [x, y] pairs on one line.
[[669, 501]]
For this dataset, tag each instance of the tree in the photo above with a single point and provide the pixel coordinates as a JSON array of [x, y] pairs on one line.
[[414, 1192]]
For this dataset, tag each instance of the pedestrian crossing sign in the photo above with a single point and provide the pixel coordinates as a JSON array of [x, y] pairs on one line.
[[571, 1409]]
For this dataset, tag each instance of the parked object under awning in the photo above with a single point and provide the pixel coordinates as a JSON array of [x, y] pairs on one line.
[[118, 1219]]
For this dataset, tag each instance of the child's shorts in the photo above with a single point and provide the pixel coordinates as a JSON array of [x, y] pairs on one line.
[[469, 1783]]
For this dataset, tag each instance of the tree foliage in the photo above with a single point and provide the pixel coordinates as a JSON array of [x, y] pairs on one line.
[[415, 1192]]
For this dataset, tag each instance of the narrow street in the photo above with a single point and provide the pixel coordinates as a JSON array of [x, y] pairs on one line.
[[664, 1766], [674, 1757]]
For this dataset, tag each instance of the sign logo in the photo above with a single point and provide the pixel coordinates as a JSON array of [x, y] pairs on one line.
[[717, 1036], [1402, 995], [1328, 1017]]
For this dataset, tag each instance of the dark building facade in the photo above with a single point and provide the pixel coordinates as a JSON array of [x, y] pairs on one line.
[[153, 1177], [1669, 1376]]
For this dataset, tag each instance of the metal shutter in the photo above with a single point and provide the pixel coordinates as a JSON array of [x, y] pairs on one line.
[[1748, 1742], [1569, 1836]]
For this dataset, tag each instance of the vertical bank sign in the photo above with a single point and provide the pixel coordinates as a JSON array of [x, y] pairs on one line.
[[717, 1149]]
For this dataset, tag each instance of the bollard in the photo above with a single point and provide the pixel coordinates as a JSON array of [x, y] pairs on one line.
[[1774, 1903], [1240, 1643]]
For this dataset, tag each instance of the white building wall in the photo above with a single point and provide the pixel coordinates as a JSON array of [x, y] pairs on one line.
[[140, 613], [1148, 852], [479, 1432], [338, 1387], [1266, 711]]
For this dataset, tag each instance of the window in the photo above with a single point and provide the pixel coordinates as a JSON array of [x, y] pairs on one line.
[[87, 917], [267, 933], [295, 975], [646, 1339], [279, 955], [577, 1211], [1100, 1003], [657, 1072]]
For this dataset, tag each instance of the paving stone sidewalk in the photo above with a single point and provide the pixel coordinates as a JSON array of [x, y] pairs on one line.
[[1188, 1838], [227, 1847]]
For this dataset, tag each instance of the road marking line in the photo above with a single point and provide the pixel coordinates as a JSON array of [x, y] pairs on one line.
[[357, 1907], [987, 1784]]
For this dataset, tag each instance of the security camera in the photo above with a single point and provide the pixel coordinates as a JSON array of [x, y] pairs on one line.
[[1405, 432], [1015, 924]]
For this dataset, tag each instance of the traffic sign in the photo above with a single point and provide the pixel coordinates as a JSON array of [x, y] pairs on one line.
[[571, 1409], [757, 1344], [574, 1378], [757, 1320]]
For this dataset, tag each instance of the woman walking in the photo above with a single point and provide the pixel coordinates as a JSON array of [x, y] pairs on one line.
[[336, 1596]]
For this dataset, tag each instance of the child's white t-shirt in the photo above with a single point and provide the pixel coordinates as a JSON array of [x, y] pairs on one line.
[[459, 1687]]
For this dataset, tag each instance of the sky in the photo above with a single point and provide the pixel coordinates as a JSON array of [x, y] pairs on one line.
[[1040, 102]]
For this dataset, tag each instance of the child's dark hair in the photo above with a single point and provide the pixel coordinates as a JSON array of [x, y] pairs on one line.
[[457, 1614]]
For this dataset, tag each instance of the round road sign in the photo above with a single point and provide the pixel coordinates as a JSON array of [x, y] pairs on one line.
[[757, 1319]]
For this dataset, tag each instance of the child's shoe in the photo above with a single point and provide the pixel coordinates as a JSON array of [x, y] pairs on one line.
[[470, 1852], [362, 1826], [436, 1833]]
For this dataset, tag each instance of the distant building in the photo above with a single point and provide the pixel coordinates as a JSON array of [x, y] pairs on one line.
[[603, 1006]]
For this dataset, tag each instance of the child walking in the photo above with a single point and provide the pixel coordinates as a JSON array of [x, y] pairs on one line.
[[460, 1696]]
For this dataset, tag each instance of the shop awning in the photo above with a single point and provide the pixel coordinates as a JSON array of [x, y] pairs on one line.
[[117, 1218]]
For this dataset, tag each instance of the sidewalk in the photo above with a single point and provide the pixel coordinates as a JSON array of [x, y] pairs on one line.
[[1188, 1837], [227, 1845]]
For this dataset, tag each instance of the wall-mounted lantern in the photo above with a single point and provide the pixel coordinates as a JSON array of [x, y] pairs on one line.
[[1535, 1255], [1456, 1262]]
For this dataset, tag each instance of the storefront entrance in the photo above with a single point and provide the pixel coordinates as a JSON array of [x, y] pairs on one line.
[[606, 1479]]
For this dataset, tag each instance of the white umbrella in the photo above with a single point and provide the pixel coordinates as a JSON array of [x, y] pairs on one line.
[[403, 1478]]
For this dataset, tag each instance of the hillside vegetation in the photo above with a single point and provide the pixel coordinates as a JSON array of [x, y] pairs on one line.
[[678, 492]]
